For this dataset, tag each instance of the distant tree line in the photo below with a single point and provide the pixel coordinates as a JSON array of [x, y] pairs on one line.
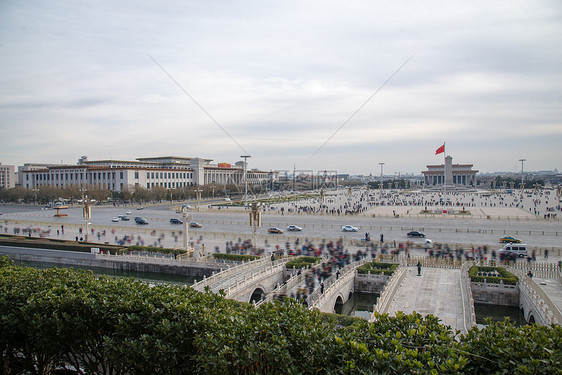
[[132, 194]]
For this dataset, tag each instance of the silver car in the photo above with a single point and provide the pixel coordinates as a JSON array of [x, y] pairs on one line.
[[349, 228]]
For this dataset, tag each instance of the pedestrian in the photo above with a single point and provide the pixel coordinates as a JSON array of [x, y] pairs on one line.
[[530, 274], [545, 253], [322, 288], [382, 238], [419, 268]]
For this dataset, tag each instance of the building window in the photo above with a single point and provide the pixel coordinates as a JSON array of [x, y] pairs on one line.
[[136, 174]]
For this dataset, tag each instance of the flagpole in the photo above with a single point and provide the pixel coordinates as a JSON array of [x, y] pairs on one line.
[[444, 178]]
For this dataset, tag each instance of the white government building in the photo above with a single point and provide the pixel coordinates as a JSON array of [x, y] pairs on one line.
[[449, 174], [169, 172]]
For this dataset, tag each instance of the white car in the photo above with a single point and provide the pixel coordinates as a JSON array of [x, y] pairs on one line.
[[294, 228], [349, 228]]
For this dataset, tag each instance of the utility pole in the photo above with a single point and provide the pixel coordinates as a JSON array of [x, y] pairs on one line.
[[245, 178], [522, 186]]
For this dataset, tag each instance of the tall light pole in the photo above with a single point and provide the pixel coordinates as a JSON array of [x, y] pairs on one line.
[[522, 161], [245, 178]]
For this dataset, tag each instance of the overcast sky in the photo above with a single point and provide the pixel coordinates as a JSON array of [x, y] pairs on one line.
[[277, 79]]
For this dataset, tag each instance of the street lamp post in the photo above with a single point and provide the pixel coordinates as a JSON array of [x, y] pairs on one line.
[[245, 178], [522, 186]]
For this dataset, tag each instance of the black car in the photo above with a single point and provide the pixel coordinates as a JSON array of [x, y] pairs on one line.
[[415, 233], [175, 221], [141, 220]]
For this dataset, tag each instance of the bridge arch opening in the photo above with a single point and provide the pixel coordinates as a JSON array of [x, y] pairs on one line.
[[338, 306], [531, 319], [257, 295]]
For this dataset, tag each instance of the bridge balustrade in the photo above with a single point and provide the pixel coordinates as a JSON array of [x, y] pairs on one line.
[[539, 269], [314, 298], [228, 272], [544, 306], [294, 281], [242, 284], [389, 291], [467, 298]]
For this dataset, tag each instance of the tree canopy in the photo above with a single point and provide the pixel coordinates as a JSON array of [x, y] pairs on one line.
[[62, 318]]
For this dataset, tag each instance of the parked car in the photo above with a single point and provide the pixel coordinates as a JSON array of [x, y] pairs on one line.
[[294, 228], [175, 221], [141, 220], [509, 239], [349, 228], [195, 225], [274, 230], [415, 233]]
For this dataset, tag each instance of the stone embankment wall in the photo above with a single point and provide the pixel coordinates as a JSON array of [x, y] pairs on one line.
[[370, 283], [495, 294], [67, 259]]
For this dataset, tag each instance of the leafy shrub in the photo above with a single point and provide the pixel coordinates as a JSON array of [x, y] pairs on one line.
[[235, 257], [52, 318], [302, 262], [506, 277], [378, 268]]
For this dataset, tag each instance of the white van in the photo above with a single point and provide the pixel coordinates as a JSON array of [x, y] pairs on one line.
[[516, 248]]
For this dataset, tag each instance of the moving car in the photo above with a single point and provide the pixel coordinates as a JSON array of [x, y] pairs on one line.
[[195, 225], [509, 239], [274, 230], [124, 217], [349, 228], [294, 228], [175, 221], [115, 219], [141, 220], [415, 233], [519, 249]]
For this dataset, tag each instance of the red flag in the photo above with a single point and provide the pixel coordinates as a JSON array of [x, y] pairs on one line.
[[440, 150]]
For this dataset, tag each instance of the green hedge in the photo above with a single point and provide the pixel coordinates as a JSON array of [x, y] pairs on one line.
[[235, 257], [507, 277], [378, 268], [302, 262], [52, 318]]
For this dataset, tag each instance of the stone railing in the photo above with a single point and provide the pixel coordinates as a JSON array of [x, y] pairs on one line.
[[432, 262], [315, 296], [243, 282], [390, 289], [467, 298], [232, 271], [545, 307], [538, 269]]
